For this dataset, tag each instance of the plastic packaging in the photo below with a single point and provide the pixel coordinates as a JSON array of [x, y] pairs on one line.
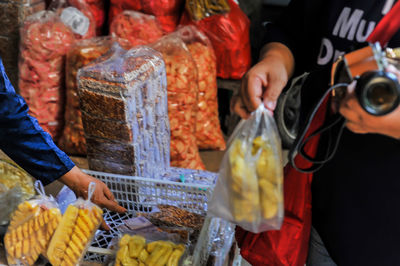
[[199, 9], [249, 190], [230, 37], [208, 129], [123, 98], [12, 16], [137, 250], [31, 227], [97, 10], [182, 101], [86, 10], [12, 176], [136, 27], [75, 232], [9, 200], [166, 12], [82, 52], [45, 41]]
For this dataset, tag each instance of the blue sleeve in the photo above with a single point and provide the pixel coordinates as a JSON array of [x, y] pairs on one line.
[[24, 141]]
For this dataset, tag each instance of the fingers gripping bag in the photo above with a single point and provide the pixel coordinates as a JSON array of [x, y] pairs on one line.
[[45, 40], [81, 53], [249, 189], [75, 231], [182, 101], [208, 130], [136, 27], [137, 250], [230, 37], [31, 228]]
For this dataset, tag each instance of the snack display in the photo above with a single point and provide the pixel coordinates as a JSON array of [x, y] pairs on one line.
[[136, 27], [166, 12], [133, 250], [31, 227], [81, 53], [249, 190], [199, 9], [182, 101], [123, 99], [229, 35], [208, 129], [12, 176], [75, 231], [12, 16], [45, 41]]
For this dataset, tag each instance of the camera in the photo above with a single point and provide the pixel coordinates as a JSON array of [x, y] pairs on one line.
[[378, 91]]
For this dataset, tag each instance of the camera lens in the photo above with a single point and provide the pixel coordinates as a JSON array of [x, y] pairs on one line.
[[378, 92]]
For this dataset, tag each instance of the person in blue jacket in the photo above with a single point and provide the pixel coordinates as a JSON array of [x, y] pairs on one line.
[[24, 141]]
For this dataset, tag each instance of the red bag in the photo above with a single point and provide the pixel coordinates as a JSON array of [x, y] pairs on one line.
[[96, 8], [289, 245], [229, 35], [167, 12]]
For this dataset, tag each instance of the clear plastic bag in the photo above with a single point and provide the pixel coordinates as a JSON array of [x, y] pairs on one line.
[[123, 99], [249, 190], [75, 231], [166, 12], [230, 37], [9, 200], [182, 101], [136, 27], [140, 250], [208, 129], [12, 176], [31, 228], [82, 53], [45, 40]]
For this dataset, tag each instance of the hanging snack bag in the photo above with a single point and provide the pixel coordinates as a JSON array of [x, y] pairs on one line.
[[97, 10], [137, 250], [85, 20], [45, 40], [75, 231], [249, 190], [230, 37], [81, 53], [208, 129], [136, 27], [167, 13], [199, 9], [182, 101], [31, 227]]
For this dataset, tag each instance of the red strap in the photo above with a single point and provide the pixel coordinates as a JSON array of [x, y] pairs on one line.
[[387, 27]]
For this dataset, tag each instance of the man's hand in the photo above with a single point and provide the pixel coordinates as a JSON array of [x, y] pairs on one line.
[[79, 182], [359, 121], [264, 82]]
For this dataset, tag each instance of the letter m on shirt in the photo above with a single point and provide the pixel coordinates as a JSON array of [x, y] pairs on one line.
[[347, 23]]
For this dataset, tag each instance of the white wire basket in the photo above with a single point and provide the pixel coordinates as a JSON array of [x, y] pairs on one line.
[[139, 194]]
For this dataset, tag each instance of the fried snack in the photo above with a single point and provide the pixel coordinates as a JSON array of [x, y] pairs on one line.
[[255, 190], [29, 232], [133, 250], [73, 235]]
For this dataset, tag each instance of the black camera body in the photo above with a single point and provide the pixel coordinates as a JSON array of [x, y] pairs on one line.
[[378, 91]]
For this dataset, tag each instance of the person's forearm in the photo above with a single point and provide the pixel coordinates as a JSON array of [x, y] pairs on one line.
[[281, 51]]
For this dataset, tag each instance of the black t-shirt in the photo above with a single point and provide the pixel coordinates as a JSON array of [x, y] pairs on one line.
[[356, 196]]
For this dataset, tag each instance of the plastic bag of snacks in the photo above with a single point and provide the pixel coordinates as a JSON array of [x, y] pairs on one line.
[[137, 250], [208, 129], [45, 40], [136, 27], [199, 9], [82, 52], [96, 8], [75, 231], [12, 176], [123, 99], [249, 190], [9, 200], [166, 12], [230, 37], [31, 228], [182, 101]]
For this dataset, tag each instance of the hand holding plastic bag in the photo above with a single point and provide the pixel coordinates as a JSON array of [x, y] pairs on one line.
[[249, 188]]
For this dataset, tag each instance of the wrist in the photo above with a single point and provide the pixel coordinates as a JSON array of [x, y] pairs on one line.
[[71, 178]]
